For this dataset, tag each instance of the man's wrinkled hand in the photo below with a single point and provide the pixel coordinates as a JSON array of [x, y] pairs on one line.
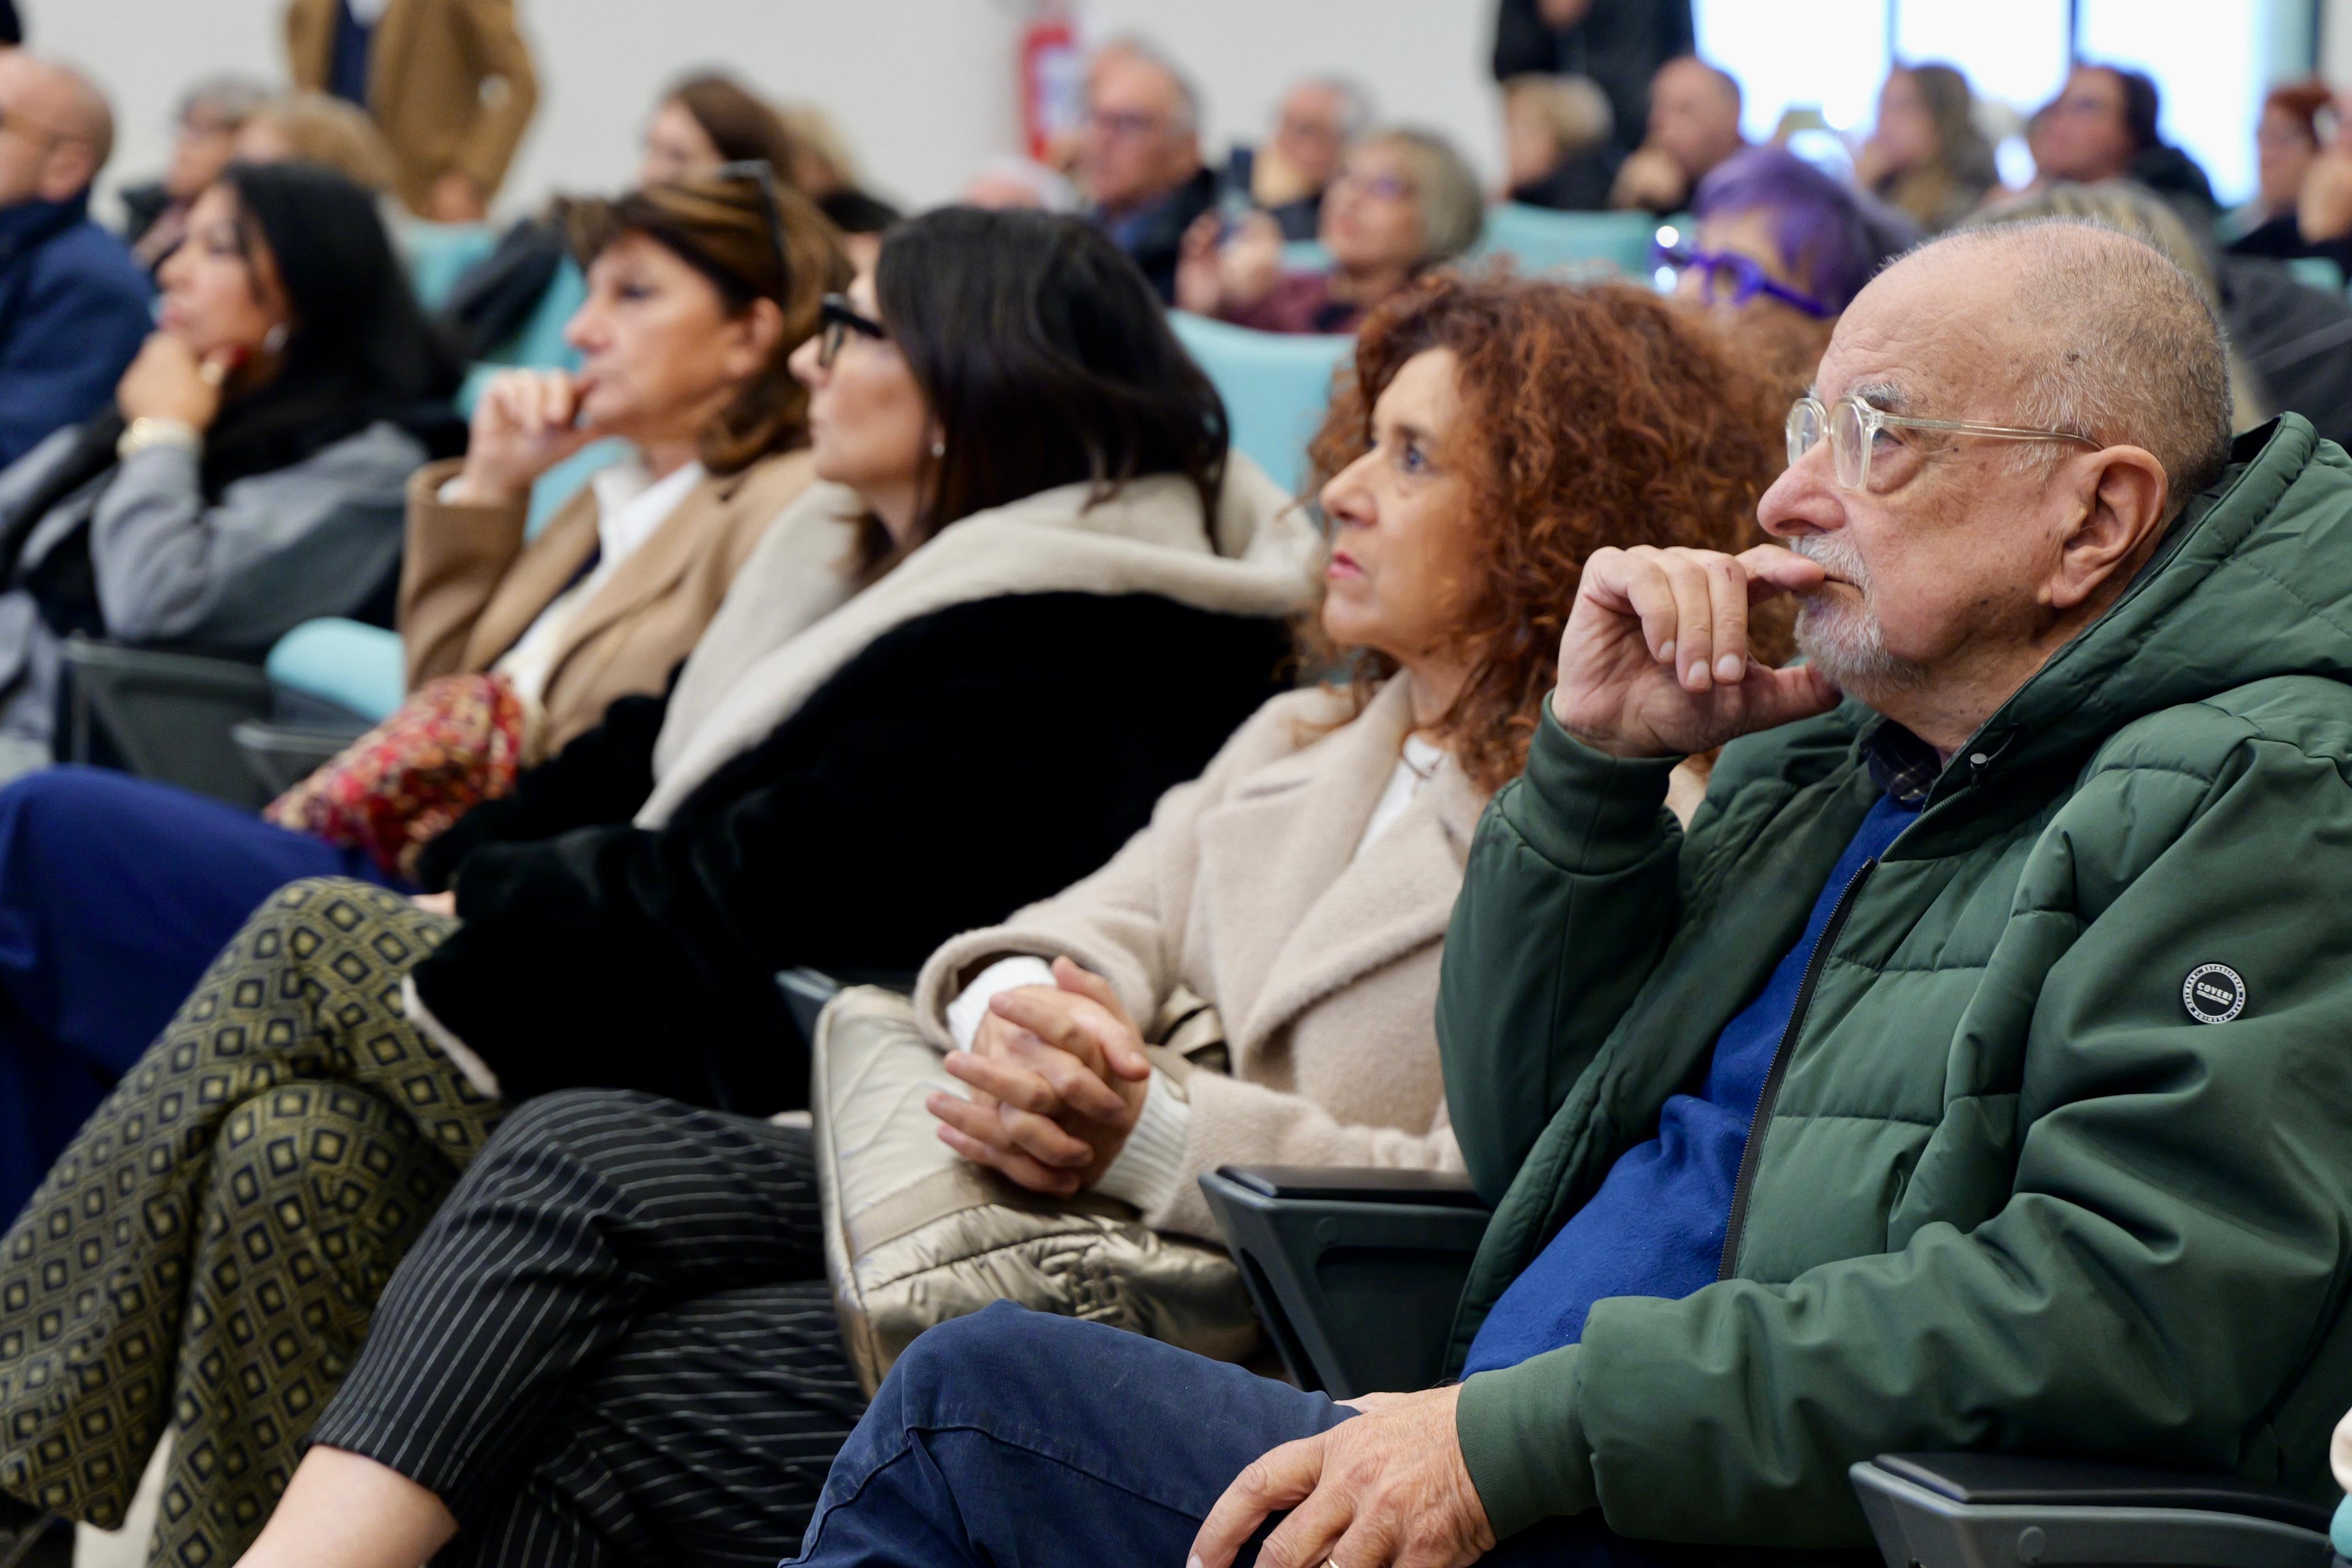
[[1654, 661], [1387, 1490]]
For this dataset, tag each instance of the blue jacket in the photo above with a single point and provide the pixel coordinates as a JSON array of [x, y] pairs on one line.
[[73, 312]]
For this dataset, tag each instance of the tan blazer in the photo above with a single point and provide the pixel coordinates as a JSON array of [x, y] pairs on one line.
[[1245, 888], [450, 82], [470, 587]]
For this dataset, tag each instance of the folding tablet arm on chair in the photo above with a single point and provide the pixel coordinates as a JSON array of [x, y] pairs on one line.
[[163, 715], [1993, 1510], [1355, 1273]]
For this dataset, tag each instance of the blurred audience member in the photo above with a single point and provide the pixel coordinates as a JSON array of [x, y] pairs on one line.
[[1781, 250], [1004, 185], [2104, 126], [155, 215], [514, 648], [73, 303], [1620, 44], [1140, 157], [450, 82], [1925, 156], [2298, 208], [1556, 131], [1694, 125], [312, 128], [1287, 175], [701, 121], [253, 471], [709, 118], [1405, 201]]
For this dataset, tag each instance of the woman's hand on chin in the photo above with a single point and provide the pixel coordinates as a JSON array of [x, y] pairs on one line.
[[526, 423], [170, 380]]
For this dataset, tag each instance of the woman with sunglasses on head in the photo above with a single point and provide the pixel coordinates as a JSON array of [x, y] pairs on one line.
[[1403, 202], [115, 892], [1781, 250], [669, 1381], [1033, 500]]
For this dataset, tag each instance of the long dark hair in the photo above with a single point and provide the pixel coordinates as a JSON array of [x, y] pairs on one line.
[[721, 225], [358, 351], [1046, 360]]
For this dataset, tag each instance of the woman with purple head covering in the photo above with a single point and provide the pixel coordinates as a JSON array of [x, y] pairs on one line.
[[1781, 249]]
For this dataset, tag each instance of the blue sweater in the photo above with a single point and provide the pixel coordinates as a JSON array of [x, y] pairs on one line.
[[73, 312], [1656, 1226]]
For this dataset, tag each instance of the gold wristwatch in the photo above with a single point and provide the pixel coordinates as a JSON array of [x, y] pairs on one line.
[[146, 432]]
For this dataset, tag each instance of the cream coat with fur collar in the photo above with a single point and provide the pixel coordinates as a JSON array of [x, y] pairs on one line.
[[1246, 888]]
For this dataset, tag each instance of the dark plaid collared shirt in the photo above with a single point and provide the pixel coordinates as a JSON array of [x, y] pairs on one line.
[[1904, 766]]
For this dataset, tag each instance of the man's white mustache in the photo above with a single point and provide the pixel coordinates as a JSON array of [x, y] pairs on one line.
[[1835, 555]]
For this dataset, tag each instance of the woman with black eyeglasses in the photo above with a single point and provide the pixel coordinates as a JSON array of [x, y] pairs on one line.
[[1781, 250], [1067, 596]]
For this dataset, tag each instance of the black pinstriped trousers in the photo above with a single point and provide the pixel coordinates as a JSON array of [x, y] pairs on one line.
[[614, 1344]]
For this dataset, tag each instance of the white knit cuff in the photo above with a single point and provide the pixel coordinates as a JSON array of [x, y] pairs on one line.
[[971, 1006], [1149, 1171]]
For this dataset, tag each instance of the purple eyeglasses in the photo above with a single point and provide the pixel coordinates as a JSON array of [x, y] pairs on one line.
[[1741, 274]]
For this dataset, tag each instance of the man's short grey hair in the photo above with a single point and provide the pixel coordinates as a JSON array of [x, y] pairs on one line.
[[1355, 103], [229, 99], [2131, 352], [1189, 111]]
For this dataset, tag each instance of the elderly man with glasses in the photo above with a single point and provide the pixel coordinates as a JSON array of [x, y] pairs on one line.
[[73, 304], [1971, 1075], [1140, 157]]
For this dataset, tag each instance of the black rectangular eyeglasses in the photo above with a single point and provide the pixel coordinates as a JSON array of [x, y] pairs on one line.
[[840, 317]]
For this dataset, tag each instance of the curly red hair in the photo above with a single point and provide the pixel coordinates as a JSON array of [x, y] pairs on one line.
[[1591, 416]]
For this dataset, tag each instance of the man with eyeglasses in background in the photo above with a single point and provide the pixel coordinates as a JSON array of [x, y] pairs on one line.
[[73, 304], [1970, 1075], [1140, 157]]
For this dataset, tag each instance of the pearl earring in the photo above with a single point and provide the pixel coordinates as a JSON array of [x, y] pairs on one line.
[[274, 338], [939, 448]]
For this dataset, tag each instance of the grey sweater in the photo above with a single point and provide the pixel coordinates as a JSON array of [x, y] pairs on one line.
[[313, 539]]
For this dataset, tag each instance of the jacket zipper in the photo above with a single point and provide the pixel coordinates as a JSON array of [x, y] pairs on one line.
[[1751, 1153]]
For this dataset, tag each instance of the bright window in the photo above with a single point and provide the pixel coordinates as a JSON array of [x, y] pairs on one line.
[[1830, 54], [2013, 50]]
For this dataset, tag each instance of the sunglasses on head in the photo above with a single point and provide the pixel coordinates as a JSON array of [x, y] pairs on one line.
[[1741, 278], [757, 171]]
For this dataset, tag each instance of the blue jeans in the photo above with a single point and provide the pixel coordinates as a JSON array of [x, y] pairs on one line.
[[1015, 1436], [115, 894]]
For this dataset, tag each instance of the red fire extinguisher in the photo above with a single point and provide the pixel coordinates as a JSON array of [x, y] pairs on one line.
[[1053, 86]]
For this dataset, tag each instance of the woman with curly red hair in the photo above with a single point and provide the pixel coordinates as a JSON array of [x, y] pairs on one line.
[[604, 1250]]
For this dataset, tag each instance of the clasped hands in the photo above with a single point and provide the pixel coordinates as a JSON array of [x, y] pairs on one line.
[[1058, 1075]]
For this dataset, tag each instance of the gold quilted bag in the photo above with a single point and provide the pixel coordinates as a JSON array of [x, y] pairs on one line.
[[914, 1235]]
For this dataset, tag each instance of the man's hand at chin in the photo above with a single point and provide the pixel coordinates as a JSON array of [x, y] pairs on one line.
[[1386, 1489]]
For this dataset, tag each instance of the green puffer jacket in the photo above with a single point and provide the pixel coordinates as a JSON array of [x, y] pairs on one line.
[[2005, 1191]]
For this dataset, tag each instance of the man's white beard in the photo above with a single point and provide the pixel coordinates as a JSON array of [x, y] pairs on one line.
[[1845, 640]]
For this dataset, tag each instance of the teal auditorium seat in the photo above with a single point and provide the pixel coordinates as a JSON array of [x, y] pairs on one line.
[[2316, 272], [346, 663], [438, 255], [1276, 386], [1541, 240]]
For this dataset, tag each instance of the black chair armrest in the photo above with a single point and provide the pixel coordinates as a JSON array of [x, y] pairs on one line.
[[806, 991], [1993, 1510], [162, 715], [1355, 1273], [283, 755]]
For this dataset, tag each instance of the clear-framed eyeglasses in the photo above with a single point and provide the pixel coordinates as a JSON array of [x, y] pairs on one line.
[[1851, 427]]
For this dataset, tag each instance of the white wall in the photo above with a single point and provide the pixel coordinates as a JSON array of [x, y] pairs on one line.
[[925, 89]]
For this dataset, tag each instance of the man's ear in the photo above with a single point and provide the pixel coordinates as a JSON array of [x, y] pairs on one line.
[[2125, 498], [67, 172]]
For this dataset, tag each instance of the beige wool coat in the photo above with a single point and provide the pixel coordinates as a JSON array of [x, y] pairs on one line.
[[1245, 888], [470, 586]]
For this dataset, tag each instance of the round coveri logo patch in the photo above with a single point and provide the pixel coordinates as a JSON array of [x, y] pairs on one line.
[[2213, 993]]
